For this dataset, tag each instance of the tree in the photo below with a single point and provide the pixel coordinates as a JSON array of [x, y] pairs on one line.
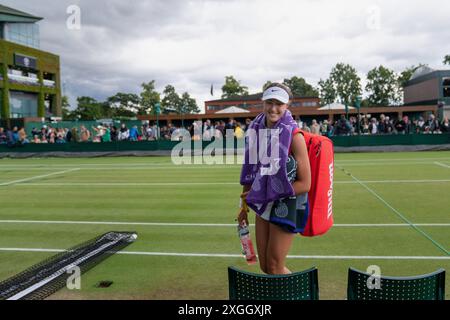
[[346, 82], [171, 100], [300, 87], [65, 109], [447, 59], [327, 91], [264, 87], [189, 105], [88, 109], [149, 97], [124, 104], [382, 85], [232, 88]]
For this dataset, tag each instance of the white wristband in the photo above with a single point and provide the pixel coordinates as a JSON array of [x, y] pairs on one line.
[[240, 202]]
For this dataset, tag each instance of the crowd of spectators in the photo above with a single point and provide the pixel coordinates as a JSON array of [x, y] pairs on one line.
[[199, 130], [383, 125]]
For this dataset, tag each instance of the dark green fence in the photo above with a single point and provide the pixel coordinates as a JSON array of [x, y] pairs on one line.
[[391, 140], [341, 141]]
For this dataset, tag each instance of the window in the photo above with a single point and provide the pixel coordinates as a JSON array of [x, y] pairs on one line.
[[23, 104], [446, 87], [23, 33]]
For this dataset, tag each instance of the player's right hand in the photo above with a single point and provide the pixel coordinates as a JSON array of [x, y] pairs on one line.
[[242, 217]]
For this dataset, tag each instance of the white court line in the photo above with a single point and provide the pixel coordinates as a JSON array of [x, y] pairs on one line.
[[442, 165], [398, 159], [175, 224], [225, 255], [190, 166], [37, 177], [387, 164], [99, 184], [120, 166], [170, 163], [401, 216]]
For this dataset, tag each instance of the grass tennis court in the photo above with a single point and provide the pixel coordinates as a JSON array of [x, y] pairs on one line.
[[184, 216]]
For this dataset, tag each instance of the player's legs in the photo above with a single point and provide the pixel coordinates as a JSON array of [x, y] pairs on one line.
[[278, 246], [262, 238]]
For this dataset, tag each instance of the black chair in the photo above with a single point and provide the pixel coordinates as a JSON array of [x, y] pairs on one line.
[[251, 286], [424, 287]]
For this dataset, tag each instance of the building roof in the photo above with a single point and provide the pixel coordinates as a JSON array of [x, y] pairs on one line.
[[425, 73], [250, 97], [334, 106], [233, 109], [8, 14], [421, 71]]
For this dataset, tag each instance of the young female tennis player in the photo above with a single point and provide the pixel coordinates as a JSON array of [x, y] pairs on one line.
[[276, 188]]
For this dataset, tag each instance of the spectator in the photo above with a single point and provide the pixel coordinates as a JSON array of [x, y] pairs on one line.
[[36, 139], [151, 134], [35, 131], [99, 132], [365, 125], [114, 133], [74, 135], [382, 125], [389, 125], [403, 126], [325, 128], [445, 126], [124, 133], [432, 125], [221, 128], [305, 127], [373, 126], [43, 131], [85, 135], [315, 127], [133, 134], [299, 122], [343, 126], [248, 121], [420, 126], [60, 137], [3, 136], [231, 125], [238, 132], [51, 136], [107, 134], [15, 136], [23, 136]]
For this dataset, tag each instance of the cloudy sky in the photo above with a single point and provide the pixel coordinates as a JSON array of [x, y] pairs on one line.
[[193, 44]]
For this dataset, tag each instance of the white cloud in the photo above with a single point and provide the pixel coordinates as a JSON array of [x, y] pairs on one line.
[[191, 44]]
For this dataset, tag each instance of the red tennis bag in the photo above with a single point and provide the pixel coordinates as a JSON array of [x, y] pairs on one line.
[[320, 195]]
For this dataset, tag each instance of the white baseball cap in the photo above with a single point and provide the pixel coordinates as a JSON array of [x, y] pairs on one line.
[[276, 93]]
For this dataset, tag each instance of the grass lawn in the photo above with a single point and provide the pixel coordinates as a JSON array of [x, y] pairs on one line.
[[53, 203]]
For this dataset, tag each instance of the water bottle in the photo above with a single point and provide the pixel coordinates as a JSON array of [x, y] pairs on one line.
[[246, 243]]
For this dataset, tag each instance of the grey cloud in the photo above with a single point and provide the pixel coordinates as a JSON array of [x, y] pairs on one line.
[[100, 59]]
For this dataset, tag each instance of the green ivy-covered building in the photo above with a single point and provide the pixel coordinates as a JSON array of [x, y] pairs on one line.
[[29, 77]]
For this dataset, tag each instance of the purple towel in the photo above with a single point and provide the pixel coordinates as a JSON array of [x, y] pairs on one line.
[[267, 176]]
